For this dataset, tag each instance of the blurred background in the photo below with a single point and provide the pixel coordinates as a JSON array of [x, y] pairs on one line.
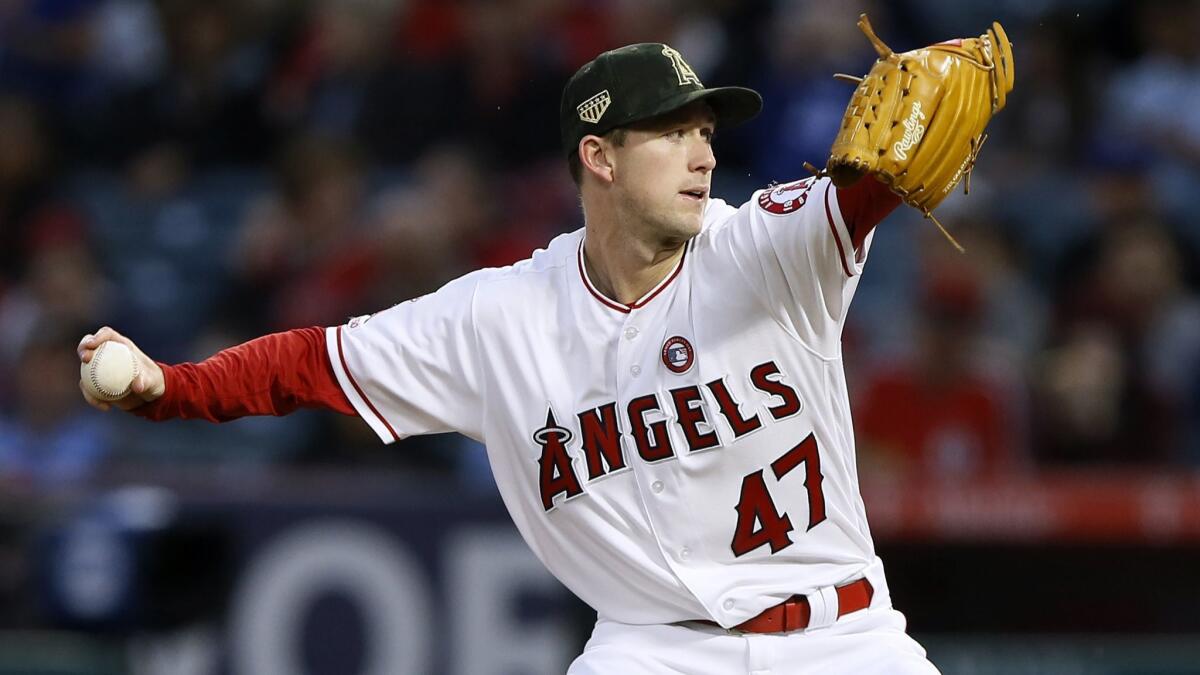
[[199, 172]]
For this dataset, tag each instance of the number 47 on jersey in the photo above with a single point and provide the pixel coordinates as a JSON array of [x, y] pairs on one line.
[[756, 507]]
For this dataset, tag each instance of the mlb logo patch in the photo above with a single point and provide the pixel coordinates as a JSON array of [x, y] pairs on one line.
[[677, 354]]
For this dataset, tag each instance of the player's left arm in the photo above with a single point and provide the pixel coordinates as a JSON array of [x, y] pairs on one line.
[[800, 248], [863, 206]]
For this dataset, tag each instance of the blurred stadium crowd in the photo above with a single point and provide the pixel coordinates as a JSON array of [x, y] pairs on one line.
[[199, 172]]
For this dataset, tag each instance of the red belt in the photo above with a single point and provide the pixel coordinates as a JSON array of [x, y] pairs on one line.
[[795, 612]]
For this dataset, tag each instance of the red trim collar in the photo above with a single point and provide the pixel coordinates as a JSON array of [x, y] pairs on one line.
[[625, 309]]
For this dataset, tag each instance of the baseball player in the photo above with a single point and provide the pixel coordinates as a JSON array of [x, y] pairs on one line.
[[661, 393]]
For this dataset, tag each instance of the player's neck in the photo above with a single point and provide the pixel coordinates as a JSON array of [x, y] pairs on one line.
[[624, 268]]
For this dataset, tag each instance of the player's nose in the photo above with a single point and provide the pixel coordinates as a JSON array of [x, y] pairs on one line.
[[702, 157]]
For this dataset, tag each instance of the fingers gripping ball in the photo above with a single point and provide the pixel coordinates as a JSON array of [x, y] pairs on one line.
[[109, 375], [916, 121]]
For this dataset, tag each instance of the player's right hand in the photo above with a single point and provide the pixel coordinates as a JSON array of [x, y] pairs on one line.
[[147, 386]]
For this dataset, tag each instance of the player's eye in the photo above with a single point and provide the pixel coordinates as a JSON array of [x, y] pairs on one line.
[[675, 134], [707, 134]]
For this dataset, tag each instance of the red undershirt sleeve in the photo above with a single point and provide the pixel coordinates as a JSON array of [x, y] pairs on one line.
[[272, 375], [864, 205]]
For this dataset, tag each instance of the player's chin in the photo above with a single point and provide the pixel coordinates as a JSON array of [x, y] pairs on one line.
[[683, 229]]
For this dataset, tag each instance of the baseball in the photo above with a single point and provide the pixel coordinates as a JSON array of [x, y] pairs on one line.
[[109, 375]]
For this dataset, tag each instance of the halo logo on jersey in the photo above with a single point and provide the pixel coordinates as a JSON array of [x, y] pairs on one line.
[[557, 474], [677, 354], [783, 199]]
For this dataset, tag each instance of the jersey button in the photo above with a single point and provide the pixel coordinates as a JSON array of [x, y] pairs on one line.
[[728, 605], [656, 487], [631, 332], [685, 553], [635, 371]]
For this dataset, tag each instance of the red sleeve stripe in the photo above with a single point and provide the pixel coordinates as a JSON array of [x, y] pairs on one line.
[[358, 397], [837, 239]]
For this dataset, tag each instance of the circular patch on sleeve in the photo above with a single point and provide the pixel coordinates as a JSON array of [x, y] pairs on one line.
[[784, 199], [677, 354]]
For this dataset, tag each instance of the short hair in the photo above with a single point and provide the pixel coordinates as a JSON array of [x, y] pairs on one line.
[[614, 136]]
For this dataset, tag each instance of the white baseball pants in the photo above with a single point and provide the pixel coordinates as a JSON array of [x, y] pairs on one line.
[[868, 642]]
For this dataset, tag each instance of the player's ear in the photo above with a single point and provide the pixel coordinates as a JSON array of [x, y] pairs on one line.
[[595, 157]]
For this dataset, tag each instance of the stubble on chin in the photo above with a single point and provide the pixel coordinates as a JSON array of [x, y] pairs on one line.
[[669, 226], [678, 229], [688, 222]]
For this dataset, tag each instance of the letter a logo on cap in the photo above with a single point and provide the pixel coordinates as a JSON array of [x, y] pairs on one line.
[[593, 109], [682, 69]]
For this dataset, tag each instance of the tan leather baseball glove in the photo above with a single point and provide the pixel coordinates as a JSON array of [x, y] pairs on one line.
[[916, 120]]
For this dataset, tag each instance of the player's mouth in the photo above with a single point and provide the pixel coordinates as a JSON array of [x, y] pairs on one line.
[[696, 194]]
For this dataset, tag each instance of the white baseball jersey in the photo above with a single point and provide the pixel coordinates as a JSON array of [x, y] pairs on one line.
[[687, 456]]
